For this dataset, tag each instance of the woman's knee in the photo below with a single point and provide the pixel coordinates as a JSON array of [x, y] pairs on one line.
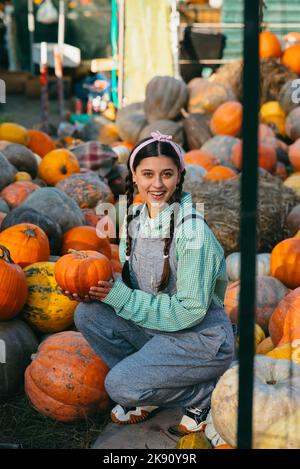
[[121, 391], [81, 315]]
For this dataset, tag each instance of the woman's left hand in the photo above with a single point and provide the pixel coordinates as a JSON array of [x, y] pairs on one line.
[[101, 290]]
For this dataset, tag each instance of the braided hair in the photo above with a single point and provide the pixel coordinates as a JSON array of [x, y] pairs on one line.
[[153, 149]]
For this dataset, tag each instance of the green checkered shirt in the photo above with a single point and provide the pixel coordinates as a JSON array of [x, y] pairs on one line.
[[201, 275]]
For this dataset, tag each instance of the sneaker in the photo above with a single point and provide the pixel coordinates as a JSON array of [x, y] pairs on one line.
[[124, 415], [194, 420]]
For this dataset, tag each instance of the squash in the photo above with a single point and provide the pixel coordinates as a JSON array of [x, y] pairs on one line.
[[279, 379], [273, 114], [65, 380], [13, 286], [284, 322], [18, 343], [221, 147], [227, 119], [285, 262], [205, 96], [285, 98], [265, 346], [233, 265], [46, 308], [85, 238], [7, 172], [26, 242], [292, 126], [57, 205], [269, 45], [293, 220], [196, 128], [220, 173], [21, 158], [130, 122], [200, 158], [165, 127], [267, 158], [194, 441], [294, 155], [78, 271], [165, 96], [15, 193], [45, 222], [57, 165], [22, 176], [40, 142], [291, 58], [14, 133], [269, 292], [86, 189]]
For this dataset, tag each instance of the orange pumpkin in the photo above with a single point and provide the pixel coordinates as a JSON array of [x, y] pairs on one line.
[[85, 238], [78, 271], [291, 58], [65, 380], [27, 243], [269, 45], [294, 154], [40, 142], [13, 286], [57, 165], [285, 262], [285, 320], [220, 173], [15, 194], [267, 158], [201, 158], [227, 119]]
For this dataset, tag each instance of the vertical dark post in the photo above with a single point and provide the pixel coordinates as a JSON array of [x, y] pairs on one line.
[[248, 221], [31, 28]]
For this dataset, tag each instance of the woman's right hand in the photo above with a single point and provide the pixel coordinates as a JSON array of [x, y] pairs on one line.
[[74, 296]]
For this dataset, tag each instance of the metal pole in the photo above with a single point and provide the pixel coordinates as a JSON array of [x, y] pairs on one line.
[[31, 29], [121, 52], [248, 222]]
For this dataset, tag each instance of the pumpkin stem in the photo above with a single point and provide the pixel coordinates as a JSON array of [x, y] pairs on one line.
[[273, 381], [29, 232], [78, 254], [63, 169], [5, 254]]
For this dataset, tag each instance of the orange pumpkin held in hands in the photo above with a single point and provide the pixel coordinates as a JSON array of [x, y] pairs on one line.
[[269, 45], [227, 119], [27, 243], [85, 238], [40, 142], [13, 286], [65, 380], [57, 165], [78, 271]]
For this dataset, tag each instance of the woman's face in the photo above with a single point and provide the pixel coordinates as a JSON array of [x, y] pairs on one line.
[[156, 178]]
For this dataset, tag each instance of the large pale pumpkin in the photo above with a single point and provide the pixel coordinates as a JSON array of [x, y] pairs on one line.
[[46, 308], [285, 320], [78, 271], [285, 262], [283, 433], [206, 96], [276, 394], [57, 165], [233, 265], [13, 287], [27, 243], [269, 292], [65, 380]]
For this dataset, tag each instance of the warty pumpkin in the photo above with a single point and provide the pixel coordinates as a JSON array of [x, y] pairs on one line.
[[279, 379], [27, 243], [78, 271], [57, 165], [269, 45], [15, 193], [85, 238], [13, 286], [227, 119], [65, 380], [40, 142], [285, 262], [46, 308]]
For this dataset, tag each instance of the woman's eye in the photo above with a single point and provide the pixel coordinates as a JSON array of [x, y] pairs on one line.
[[168, 175], [147, 174]]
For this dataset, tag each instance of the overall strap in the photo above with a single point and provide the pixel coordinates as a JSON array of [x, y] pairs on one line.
[[191, 215]]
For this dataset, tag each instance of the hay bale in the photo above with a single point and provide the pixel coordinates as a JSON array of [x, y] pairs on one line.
[[222, 211]]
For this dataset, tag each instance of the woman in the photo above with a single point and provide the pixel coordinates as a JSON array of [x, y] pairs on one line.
[[161, 327]]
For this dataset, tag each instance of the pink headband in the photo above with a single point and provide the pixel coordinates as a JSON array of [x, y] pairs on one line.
[[158, 137]]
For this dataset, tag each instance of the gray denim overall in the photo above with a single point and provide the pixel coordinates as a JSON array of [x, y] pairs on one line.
[[151, 367]]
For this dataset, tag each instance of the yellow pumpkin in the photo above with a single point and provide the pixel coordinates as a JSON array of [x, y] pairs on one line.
[[46, 309], [22, 176], [14, 133], [288, 351], [259, 335], [293, 181], [57, 165], [272, 113], [194, 441]]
